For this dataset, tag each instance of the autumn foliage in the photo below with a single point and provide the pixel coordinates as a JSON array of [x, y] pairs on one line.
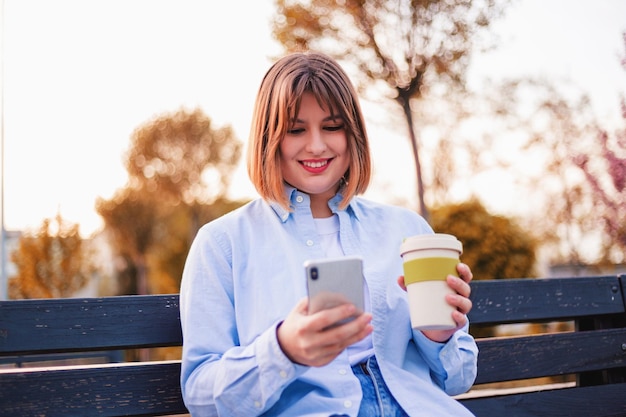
[[179, 166], [493, 246], [52, 262]]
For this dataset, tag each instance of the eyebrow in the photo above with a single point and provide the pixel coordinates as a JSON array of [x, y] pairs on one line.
[[332, 117]]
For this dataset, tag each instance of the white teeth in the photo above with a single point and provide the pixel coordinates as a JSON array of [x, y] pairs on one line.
[[315, 164]]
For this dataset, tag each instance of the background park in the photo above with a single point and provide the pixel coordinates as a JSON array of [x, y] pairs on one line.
[[527, 167]]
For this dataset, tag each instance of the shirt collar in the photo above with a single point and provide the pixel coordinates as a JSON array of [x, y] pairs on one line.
[[292, 194]]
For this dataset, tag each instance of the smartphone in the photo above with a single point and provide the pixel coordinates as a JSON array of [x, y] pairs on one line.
[[335, 281]]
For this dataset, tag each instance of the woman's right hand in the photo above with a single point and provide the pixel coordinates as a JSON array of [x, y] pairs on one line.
[[308, 339]]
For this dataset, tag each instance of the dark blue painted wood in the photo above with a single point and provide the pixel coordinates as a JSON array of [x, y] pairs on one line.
[[524, 300], [526, 357], [150, 389], [597, 401], [81, 324], [86, 325]]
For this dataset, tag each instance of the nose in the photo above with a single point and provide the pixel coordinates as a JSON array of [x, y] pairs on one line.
[[316, 144]]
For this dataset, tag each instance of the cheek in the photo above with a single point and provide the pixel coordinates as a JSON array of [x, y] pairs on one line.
[[345, 153], [285, 160], [339, 145], [285, 151]]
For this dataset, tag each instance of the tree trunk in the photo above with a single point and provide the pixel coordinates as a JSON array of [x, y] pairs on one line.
[[404, 101], [142, 275]]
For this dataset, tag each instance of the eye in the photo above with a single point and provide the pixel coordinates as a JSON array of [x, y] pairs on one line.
[[295, 130], [334, 128]]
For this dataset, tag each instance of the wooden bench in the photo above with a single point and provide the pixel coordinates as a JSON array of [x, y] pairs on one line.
[[594, 355]]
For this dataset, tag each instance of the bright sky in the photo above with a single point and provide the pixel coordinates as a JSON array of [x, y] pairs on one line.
[[81, 75]]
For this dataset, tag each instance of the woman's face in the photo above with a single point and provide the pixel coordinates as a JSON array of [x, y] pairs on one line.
[[314, 153]]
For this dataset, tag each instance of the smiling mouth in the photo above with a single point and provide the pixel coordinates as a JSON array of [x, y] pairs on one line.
[[316, 164]]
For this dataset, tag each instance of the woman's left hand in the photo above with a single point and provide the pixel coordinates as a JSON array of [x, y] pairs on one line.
[[460, 301]]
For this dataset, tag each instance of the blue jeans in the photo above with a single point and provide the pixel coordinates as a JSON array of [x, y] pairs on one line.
[[377, 400]]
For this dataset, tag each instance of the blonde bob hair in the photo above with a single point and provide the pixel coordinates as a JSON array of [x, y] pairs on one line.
[[277, 105]]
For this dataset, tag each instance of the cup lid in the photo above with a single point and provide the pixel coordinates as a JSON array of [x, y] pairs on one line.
[[431, 241]]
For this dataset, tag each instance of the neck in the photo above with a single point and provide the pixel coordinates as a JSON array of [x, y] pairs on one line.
[[320, 209], [319, 205]]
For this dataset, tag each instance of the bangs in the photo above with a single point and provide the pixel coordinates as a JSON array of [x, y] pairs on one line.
[[326, 94]]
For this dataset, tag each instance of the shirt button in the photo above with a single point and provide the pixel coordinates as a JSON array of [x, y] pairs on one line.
[[257, 404], [283, 374], [309, 242], [299, 199], [347, 403], [342, 372]]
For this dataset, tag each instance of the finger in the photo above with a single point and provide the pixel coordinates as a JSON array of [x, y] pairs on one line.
[[462, 304], [401, 282], [459, 318], [328, 317], [346, 334], [464, 271], [458, 285]]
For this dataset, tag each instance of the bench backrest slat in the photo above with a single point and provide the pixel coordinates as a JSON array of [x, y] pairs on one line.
[[83, 324], [523, 300]]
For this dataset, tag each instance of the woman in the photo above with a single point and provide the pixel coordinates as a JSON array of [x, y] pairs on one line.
[[250, 348]]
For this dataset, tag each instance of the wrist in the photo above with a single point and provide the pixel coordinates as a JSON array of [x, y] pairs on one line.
[[439, 336]]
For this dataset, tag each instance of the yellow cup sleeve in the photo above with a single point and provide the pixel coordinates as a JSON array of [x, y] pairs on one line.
[[429, 269]]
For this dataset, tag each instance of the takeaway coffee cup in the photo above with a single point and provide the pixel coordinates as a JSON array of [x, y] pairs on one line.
[[427, 261]]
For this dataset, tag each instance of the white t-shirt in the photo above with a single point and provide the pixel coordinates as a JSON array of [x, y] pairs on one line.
[[328, 231]]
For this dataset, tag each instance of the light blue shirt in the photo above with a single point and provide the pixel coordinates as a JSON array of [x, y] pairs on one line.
[[244, 274]]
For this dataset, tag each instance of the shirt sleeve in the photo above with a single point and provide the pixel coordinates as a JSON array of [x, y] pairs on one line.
[[218, 376], [249, 380], [453, 365]]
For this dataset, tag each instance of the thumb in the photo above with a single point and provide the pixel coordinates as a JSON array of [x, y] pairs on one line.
[[303, 306], [401, 282]]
